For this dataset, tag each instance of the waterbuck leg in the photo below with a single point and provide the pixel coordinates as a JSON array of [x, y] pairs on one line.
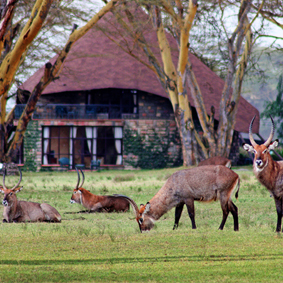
[[191, 211], [234, 210], [278, 204], [178, 213], [225, 211]]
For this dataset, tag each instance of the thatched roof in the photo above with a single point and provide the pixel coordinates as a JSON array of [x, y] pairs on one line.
[[96, 62]]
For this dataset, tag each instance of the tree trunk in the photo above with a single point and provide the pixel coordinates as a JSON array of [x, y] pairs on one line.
[[176, 81], [187, 139]]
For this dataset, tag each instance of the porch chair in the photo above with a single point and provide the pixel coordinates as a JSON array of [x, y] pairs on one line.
[[90, 112], [95, 164], [64, 162]]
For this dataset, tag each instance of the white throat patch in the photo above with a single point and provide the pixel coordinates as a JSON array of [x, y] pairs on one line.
[[261, 169]]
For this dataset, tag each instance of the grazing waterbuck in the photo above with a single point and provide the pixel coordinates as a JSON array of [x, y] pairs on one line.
[[204, 184]]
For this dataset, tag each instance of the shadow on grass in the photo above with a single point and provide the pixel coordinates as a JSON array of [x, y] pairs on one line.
[[212, 258], [92, 212], [76, 212]]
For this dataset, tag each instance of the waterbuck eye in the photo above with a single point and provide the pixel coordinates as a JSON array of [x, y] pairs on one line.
[[140, 220], [10, 194], [264, 151]]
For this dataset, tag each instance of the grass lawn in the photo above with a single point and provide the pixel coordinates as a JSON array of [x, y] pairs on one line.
[[109, 247]]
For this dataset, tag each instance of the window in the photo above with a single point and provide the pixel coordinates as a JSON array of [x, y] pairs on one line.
[[82, 144], [109, 145], [56, 144]]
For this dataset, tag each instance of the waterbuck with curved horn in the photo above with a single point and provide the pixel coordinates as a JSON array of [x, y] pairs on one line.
[[25, 211], [267, 171], [205, 184], [216, 160], [95, 203]]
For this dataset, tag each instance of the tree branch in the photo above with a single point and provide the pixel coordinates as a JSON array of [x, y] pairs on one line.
[[49, 74]]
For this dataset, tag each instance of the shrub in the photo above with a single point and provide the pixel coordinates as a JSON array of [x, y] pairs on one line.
[[124, 178]]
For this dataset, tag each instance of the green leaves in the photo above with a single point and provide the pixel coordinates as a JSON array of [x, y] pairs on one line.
[[275, 108], [149, 151]]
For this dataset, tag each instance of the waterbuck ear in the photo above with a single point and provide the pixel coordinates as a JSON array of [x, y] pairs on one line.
[[18, 189], [273, 144], [248, 147], [147, 208], [2, 190]]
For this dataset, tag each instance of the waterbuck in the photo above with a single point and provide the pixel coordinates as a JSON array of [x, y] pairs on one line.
[[25, 211], [205, 184], [267, 171], [216, 160], [95, 203]]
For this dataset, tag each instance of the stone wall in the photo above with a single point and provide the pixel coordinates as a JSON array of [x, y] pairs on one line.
[[151, 144], [146, 129], [154, 107], [156, 124]]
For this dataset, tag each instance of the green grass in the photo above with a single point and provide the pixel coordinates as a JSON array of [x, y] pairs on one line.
[[109, 247]]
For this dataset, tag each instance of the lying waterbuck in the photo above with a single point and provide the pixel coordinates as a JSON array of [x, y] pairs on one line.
[[268, 171], [205, 183], [95, 203], [25, 211], [216, 160]]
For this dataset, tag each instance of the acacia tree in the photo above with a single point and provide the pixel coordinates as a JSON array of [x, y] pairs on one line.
[[272, 11], [13, 59], [175, 19]]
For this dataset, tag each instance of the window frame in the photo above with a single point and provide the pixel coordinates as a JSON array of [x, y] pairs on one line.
[[89, 140]]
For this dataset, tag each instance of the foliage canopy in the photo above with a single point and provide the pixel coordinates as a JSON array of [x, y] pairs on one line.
[[274, 108]]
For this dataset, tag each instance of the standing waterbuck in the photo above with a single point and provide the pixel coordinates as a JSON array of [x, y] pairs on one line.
[[267, 171], [216, 160], [25, 211], [205, 183], [95, 203]]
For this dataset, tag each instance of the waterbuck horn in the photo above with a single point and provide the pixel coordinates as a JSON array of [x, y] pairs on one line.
[[251, 133], [4, 173], [77, 186], [19, 179], [269, 140], [83, 178], [132, 202]]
